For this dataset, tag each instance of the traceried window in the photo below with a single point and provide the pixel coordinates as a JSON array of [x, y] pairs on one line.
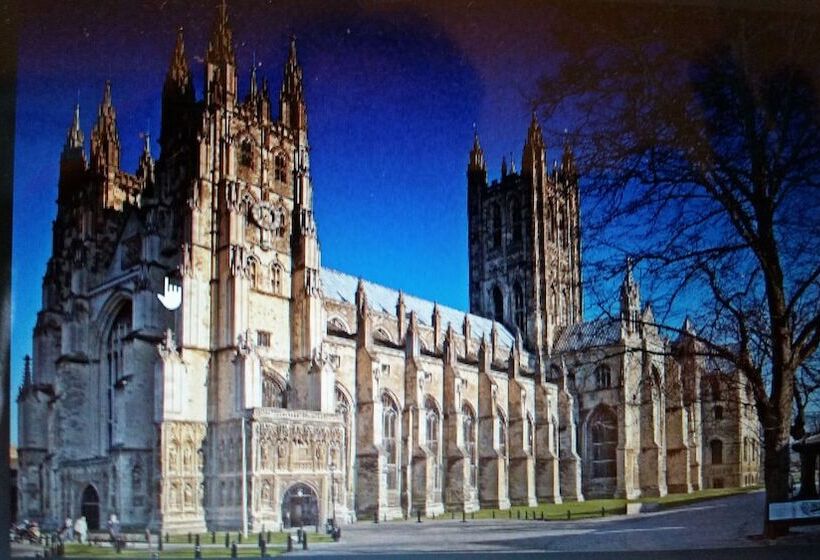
[[115, 358], [496, 225], [469, 428], [498, 305], [279, 171], [432, 439], [603, 442], [274, 394], [716, 448], [518, 309], [501, 433], [603, 377], [276, 278], [390, 414]]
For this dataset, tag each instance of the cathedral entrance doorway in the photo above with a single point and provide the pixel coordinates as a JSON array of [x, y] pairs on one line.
[[300, 507], [90, 508]]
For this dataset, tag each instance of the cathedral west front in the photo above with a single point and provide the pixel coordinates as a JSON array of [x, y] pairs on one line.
[[282, 393]]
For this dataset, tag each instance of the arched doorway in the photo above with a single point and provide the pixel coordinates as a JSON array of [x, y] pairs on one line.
[[300, 507], [90, 508]]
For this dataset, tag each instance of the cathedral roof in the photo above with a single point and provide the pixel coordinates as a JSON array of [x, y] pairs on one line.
[[589, 334], [342, 287]]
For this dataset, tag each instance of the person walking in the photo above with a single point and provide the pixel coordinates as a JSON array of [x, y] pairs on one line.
[[80, 529]]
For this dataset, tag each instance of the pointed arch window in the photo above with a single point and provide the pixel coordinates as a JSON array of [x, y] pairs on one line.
[[433, 421], [279, 168], [246, 153], [498, 305], [115, 356], [603, 440], [390, 415], [274, 393], [137, 492], [501, 433], [468, 427], [518, 309], [496, 221], [276, 278]]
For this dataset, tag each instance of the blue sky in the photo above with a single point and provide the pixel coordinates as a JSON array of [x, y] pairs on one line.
[[393, 92]]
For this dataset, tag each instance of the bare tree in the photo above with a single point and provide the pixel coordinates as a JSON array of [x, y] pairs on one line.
[[696, 135]]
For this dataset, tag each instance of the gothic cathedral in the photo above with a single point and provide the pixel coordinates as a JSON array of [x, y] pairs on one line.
[[283, 393]]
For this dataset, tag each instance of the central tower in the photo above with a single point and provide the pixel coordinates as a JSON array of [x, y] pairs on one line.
[[524, 242]]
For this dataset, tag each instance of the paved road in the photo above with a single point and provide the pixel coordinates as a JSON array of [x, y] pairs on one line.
[[722, 526]]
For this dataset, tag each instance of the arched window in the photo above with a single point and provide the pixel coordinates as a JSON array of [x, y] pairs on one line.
[[501, 433], [715, 386], [498, 304], [603, 442], [603, 377], [253, 272], [718, 412], [515, 215], [432, 439], [276, 278], [116, 364], [716, 447], [745, 450], [274, 394], [246, 153], [518, 309], [469, 427], [496, 225], [279, 172], [390, 414]]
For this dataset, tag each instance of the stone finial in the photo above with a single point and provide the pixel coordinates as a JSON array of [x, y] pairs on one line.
[[361, 298], [220, 46]]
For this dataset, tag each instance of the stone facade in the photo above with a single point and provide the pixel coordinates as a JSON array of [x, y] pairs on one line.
[[285, 393]]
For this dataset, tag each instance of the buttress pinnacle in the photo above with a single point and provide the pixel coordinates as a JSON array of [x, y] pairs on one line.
[[220, 46]]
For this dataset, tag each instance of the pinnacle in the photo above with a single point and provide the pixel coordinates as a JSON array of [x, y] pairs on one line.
[[178, 71], [75, 133], [220, 46]]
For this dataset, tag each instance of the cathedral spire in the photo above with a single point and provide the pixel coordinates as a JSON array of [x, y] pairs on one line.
[[179, 75], [477, 162], [220, 46], [73, 148], [105, 142], [146, 165], [27, 371], [291, 100], [567, 160], [534, 159], [630, 300]]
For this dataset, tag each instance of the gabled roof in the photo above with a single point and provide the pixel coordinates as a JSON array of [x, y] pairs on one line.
[[589, 334], [342, 287]]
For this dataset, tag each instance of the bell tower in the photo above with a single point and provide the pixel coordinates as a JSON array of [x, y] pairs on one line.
[[524, 243]]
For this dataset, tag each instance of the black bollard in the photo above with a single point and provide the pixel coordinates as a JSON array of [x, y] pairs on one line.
[[167, 538], [376, 517], [304, 541], [526, 515], [472, 515], [290, 543], [233, 550], [259, 540], [239, 538], [227, 540], [189, 537], [518, 514], [569, 514], [213, 537], [509, 511], [464, 517], [493, 514], [317, 528], [264, 548], [268, 539], [159, 541], [603, 513], [299, 535], [418, 516], [452, 515], [197, 551], [196, 540], [542, 516]]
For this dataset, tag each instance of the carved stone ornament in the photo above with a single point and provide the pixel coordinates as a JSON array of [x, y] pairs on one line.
[[168, 347], [267, 216]]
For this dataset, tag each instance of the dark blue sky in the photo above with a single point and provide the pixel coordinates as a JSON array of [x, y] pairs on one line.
[[393, 90]]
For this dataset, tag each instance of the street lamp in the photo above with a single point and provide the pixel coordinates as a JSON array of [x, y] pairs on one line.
[[333, 491]]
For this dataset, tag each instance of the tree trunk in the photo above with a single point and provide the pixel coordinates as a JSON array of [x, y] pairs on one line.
[[776, 467]]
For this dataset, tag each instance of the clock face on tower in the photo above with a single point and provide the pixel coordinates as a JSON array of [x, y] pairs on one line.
[[269, 217]]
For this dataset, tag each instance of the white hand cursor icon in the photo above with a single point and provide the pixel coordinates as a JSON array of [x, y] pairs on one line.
[[172, 298]]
